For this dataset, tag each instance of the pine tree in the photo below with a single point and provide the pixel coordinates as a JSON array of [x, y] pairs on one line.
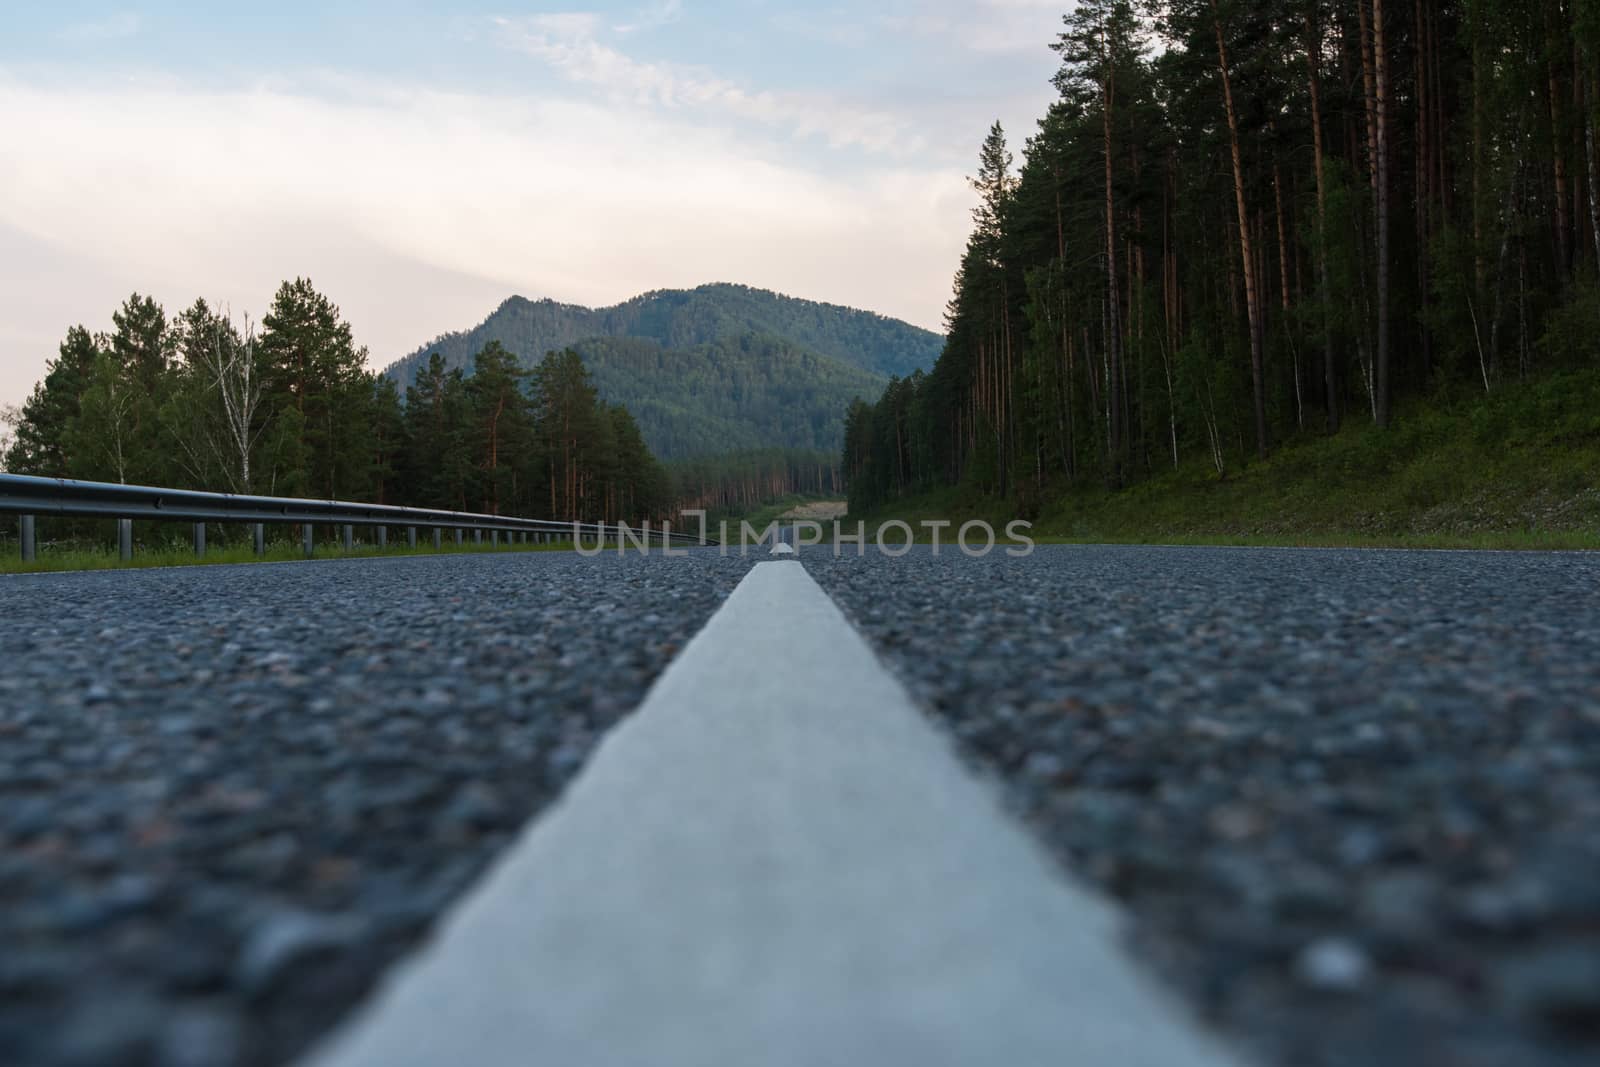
[[568, 430], [311, 364], [388, 442], [426, 418], [40, 447], [500, 424], [105, 439]]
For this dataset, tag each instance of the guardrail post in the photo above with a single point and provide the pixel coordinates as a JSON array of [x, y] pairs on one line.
[[458, 535], [200, 539], [438, 538], [477, 535], [125, 539], [383, 538], [309, 533], [347, 536], [25, 533], [258, 536], [494, 538], [411, 537]]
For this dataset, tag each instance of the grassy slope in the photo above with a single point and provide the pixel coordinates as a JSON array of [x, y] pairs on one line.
[[1519, 470]]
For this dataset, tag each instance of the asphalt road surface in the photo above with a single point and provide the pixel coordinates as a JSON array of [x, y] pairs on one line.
[[230, 796], [776, 861], [1349, 801]]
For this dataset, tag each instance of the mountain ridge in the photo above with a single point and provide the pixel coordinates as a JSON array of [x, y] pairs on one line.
[[717, 368], [676, 318]]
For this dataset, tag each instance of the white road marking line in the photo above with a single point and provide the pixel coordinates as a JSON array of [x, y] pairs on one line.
[[775, 862]]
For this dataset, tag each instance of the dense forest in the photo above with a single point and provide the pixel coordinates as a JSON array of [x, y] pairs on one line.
[[1241, 223], [199, 401], [737, 393]]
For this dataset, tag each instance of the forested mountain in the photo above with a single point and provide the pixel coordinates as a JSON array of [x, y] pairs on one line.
[[1241, 222], [676, 319], [712, 370], [201, 402]]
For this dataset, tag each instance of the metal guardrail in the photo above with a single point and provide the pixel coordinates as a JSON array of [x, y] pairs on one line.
[[29, 497]]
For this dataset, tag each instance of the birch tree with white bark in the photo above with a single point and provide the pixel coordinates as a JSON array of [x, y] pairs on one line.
[[214, 415], [10, 416]]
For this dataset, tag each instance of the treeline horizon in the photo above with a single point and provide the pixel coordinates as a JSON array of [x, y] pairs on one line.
[[200, 402], [1241, 223]]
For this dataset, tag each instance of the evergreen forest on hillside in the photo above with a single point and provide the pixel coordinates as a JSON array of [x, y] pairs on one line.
[[1245, 225], [720, 375], [738, 393]]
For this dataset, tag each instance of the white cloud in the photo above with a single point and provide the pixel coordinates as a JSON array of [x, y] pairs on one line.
[[110, 28], [998, 27], [557, 24], [569, 44], [833, 27], [660, 13], [418, 211]]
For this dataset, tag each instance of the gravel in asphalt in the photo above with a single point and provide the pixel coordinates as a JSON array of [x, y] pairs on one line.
[[1351, 799], [231, 796]]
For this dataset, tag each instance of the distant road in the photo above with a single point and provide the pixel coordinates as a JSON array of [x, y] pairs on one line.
[[1347, 800], [824, 511]]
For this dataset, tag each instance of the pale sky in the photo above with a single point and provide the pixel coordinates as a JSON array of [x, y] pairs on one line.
[[421, 162]]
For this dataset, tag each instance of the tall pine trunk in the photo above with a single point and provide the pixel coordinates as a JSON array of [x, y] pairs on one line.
[[1114, 427], [1283, 293], [1557, 148], [1329, 367], [1251, 297], [1589, 162], [1381, 74]]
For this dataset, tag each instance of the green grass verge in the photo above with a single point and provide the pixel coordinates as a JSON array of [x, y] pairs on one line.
[[1518, 470], [92, 557]]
